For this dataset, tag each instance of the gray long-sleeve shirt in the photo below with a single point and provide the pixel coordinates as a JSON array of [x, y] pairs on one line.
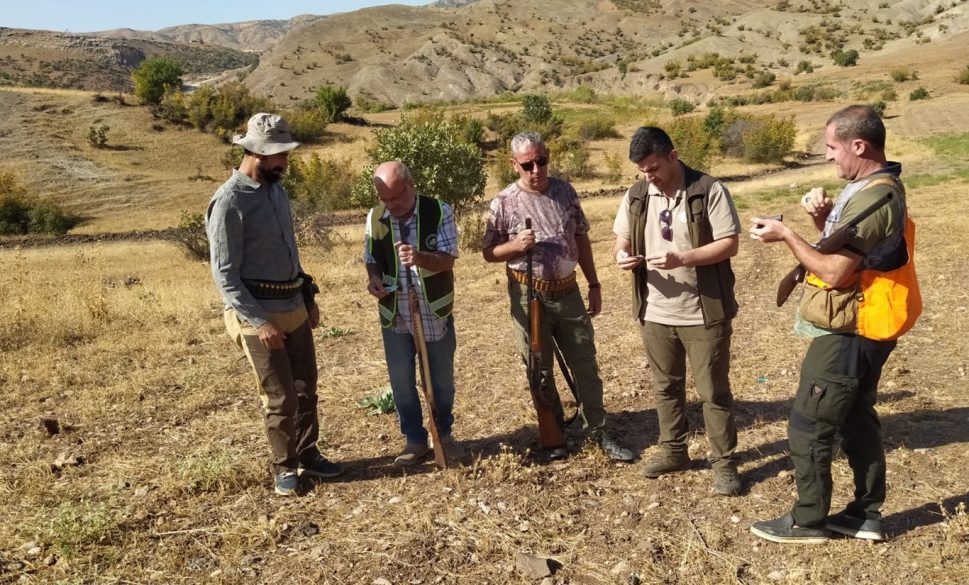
[[250, 231]]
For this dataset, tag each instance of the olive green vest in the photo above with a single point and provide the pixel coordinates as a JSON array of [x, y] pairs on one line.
[[714, 282], [438, 286]]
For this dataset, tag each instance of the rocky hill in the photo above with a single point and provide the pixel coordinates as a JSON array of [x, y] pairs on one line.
[[251, 36], [63, 60], [398, 54]]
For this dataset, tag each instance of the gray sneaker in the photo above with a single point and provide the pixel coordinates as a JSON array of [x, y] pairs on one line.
[[286, 483], [413, 453], [726, 481], [664, 463], [865, 528]]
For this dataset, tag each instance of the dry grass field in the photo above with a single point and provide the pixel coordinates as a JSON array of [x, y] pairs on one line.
[[131, 448]]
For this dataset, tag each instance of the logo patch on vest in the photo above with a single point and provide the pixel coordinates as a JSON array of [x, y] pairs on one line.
[[430, 242]]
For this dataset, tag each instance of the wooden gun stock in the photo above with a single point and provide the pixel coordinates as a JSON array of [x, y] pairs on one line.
[[424, 366], [550, 434]]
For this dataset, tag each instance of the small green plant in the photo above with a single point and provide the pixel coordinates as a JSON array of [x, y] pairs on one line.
[[98, 137], [207, 471], [72, 526], [919, 94], [879, 107], [380, 403], [335, 332]]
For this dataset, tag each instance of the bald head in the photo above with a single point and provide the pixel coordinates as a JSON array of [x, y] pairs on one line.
[[395, 188]]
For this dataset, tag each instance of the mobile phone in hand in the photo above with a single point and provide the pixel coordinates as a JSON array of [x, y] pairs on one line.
[[778, 217]]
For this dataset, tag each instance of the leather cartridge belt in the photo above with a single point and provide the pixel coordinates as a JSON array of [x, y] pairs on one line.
[[273, 289], [542, 285]]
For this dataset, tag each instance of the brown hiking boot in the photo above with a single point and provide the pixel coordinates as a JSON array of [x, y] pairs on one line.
[[664, 463], [726, 481]]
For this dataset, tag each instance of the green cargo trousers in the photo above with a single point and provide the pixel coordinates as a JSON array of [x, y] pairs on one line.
[[836, 394], [708, 349], [564, 317]]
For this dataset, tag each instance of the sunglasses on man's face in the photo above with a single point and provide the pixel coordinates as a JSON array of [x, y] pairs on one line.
[[666, 219], [528, 166]]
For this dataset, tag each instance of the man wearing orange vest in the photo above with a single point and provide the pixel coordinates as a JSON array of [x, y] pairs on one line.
[[853, 338]]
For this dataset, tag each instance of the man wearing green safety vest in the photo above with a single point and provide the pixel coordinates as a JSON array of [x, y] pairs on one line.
[[413, 239]]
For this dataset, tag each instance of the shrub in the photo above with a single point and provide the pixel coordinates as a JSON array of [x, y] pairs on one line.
[[536, 108], [470, 129], [154, 76], [844, 58], [332, 102], [570, 159], [220, 111], [442, 163], [715, 121], [769, 139], [306, 125], [319, 184], [614, 164], [693, 143], [804, 67], [680, 106], [98, 137], [503, 171], [903, 74], [764, 79], [919, 94], [597, 129], [963, 76], [21, 214], [879, 107], [189, 236]]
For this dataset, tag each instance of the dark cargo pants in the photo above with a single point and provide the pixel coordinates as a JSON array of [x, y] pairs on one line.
[[836, 394], [708, 349], [286, 379]]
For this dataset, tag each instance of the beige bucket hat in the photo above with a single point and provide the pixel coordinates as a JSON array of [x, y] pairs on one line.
[[266, 134]]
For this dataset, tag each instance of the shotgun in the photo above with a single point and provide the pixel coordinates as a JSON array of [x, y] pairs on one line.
[[423, 363], [550, 434], [827, 245]]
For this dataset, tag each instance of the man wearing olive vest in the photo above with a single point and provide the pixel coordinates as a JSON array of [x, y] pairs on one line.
[[414, 235], [676, 231]]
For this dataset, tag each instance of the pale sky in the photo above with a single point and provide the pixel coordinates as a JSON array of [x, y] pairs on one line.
[[97, 15]]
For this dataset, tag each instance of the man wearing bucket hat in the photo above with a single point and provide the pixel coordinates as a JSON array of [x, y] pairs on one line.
[[269, 300]]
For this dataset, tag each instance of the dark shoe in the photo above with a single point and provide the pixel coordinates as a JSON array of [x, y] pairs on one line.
[[413, 453], [556, 453], [613, 449], [286, 483], [666, 462], [726, 481], [784, 530], [320, 468], [849, 525]]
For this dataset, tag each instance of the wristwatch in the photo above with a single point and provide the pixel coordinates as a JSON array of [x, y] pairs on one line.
[[595, 285]]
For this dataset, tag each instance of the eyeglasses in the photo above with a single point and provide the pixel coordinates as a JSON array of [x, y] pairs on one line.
[[528, 166], [666, 218]]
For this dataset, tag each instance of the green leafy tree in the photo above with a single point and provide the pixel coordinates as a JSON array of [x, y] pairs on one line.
[[153, 76], [536, 108], [332, 102], [769, 139], [441, 162]]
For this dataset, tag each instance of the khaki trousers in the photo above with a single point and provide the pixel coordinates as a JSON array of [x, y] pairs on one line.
[[286, 380]]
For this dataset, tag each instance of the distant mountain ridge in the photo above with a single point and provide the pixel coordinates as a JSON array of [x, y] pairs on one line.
[[255, 36]]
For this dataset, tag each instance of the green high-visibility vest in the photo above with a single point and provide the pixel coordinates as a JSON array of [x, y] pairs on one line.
[[438, 286]]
